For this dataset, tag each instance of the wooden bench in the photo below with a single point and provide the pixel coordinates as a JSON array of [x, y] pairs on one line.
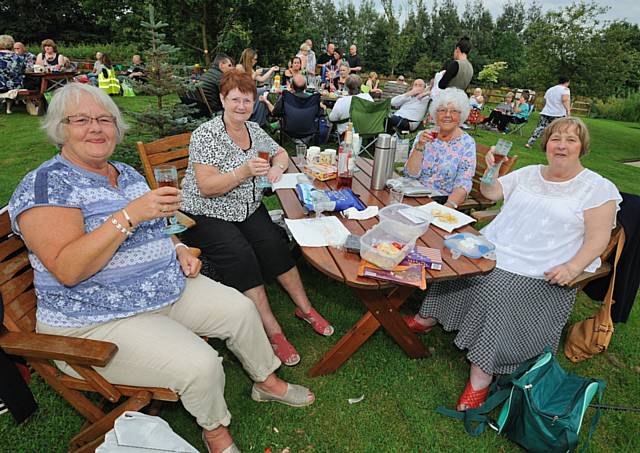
[[392, 89]]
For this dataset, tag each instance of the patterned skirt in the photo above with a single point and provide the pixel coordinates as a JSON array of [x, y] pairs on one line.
[[502, 318]]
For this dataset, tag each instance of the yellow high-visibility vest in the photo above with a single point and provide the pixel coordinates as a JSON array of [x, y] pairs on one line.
[[109, 84]]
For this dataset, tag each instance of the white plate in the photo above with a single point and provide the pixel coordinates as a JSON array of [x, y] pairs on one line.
[[440, 216]]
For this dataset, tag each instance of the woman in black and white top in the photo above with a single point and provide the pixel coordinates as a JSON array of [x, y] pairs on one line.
[[233, 228]]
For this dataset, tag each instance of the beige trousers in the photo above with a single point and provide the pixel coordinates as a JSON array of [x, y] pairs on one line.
[[163, 348]]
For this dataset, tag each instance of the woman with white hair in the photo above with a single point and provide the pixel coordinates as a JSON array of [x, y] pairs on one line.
[[105, 271], [446, 161]]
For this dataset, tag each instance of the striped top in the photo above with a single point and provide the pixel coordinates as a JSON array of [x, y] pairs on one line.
[[142, 275]]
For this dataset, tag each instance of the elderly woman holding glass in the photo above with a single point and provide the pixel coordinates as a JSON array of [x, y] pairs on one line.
[[228, 158], [555, 222], [443, 158], [104, 270]]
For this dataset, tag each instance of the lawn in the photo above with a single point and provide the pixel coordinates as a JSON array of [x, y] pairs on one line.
[[400, 394]]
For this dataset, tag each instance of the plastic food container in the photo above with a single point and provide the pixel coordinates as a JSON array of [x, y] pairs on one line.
[[470, 245], [415, 222], [378, 245]]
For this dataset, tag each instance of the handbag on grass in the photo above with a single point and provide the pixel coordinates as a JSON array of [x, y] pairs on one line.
[[543, 408], [592, 336]]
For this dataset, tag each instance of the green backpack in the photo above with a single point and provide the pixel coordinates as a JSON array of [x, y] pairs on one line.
[[543, 406]]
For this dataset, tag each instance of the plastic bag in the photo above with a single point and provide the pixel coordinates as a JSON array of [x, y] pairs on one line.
[[344, 199]]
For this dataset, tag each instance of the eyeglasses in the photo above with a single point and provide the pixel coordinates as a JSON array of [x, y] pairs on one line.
[[239, 101], [452, 112], [83, 120]]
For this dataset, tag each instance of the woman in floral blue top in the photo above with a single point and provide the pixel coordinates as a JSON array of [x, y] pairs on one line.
[[103, 270], [12, 68], [445, 164]]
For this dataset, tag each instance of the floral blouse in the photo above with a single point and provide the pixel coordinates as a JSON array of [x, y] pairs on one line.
[[447, 165], [12, 68]]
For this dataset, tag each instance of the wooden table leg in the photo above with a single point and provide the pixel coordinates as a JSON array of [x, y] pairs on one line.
[[386, 312], [367, 326]]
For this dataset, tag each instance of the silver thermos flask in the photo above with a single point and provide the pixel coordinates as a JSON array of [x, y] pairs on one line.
[[383, 160]]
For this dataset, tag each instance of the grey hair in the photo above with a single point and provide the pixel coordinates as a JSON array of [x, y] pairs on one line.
[[454, 96], [345, 64], [67, 98], [6, 42]]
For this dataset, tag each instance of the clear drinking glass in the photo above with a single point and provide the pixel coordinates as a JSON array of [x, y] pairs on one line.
[[395, 196], [167, 176], [500, 152], [262, 181], [301, 152]]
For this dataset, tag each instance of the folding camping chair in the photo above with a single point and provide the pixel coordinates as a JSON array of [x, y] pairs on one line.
[[369, 118], [299, 117]]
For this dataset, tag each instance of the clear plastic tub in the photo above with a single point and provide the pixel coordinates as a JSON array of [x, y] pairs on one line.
[[415, 222], [470, 245], [377, 244]]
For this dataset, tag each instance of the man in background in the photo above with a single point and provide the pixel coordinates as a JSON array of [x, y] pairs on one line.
[[411, 106], [354, 59], [29, 58], [211, 80], [328, 56]]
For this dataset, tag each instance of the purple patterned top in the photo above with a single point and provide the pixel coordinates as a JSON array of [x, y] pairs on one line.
[[447, 165]]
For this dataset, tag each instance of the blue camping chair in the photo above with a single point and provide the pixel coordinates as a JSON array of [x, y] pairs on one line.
[[299, 117]]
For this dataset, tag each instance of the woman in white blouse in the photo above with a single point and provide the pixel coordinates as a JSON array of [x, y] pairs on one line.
[[555, 222]]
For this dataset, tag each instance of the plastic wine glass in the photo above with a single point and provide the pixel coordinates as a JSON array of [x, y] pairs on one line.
[[262, 181], [167, 176], [500, 153]]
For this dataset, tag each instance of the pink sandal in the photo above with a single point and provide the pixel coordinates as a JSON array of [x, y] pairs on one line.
[[284, 350], [319, 324]]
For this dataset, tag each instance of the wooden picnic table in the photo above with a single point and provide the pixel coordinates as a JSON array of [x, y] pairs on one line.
[[48, 81], [381, 299]]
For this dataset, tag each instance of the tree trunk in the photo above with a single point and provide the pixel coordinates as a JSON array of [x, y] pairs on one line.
[[205, 45]]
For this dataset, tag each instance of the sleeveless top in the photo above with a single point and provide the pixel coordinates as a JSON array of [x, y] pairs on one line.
[[464, 75], [50, 62]]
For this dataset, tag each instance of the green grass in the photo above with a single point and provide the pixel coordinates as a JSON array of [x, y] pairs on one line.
[[397, 414]]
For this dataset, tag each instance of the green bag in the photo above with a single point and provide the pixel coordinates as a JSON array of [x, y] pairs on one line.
[[543, 406], [127, 90]]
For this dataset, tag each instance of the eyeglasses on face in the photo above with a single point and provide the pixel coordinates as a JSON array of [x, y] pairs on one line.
[[84, 120], [452, 112], [239, 101]]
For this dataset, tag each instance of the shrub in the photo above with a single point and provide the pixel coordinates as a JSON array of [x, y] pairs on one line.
[[620, 109], [120, 53]]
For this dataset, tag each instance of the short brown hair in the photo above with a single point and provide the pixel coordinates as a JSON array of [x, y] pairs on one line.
[[49, 42], [564, 124], [238, 79]]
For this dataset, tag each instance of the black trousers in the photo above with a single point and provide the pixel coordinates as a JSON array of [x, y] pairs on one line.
[[399, 123], [243, 254]]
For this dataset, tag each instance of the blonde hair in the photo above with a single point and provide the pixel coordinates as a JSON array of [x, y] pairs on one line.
[[246, 60], [373, 75], [304, 47], [564, 125]]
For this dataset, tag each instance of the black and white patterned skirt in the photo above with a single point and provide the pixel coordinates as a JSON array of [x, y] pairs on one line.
[[502, 318]]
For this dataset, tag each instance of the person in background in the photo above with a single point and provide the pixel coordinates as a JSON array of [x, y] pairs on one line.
[[311, 58], [234, 230], [295, 68], [459, 71], [342, 106], [49, 55], [303, 54], [29, 58], [210, 80], [354, 59], [12, 67], [104, 270], [412, 106], [504, 108], [107, 80], [555, 222], [476, 100], [520, 114], [297, 86], [340, 81], [97, 68], [328, 55], [248, 59], [401, 80], [557, 104], [447, 163], [137, 70], [373, 84]]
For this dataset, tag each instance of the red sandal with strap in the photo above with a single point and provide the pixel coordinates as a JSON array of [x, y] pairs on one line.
[[471, 398], [414, 326], [284, 350], [319, 324]]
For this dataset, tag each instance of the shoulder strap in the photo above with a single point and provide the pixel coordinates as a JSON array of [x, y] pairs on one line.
[[596, 417], [608, 299]]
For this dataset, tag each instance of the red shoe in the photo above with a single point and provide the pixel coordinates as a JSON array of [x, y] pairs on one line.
[[316, 320], [284, 350], [414, 326], [471, 398]]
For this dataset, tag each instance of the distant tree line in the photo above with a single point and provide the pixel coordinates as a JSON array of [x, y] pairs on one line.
[[601, 58]]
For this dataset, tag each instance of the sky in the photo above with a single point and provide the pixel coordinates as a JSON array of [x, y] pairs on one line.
[[618, 9]]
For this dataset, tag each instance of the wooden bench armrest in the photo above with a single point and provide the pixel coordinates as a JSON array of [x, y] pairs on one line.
[[485, 215], [581, 280], [77, 351], [185, 220]]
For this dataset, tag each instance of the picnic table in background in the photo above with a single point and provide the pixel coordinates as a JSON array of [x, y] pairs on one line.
[[381, 299], [49, 81]]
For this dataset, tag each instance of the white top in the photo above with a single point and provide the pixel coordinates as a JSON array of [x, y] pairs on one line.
[[553, 101], [435, 90], [410, 108], [541, 224], [341, 110]]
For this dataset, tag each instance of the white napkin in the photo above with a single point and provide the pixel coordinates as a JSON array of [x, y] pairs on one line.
[[354, 214]]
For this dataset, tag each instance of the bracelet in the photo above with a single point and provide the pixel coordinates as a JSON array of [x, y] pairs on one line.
[[119, 226], [180, 244], [126, 216]]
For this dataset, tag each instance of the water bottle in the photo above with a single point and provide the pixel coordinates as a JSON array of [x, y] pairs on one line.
[[382, 162]]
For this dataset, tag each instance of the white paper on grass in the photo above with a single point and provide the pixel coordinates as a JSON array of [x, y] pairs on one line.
[[288, 181], [321, 232]]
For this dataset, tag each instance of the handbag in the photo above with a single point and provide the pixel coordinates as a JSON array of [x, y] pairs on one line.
[[592, 336], [543, 408]]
